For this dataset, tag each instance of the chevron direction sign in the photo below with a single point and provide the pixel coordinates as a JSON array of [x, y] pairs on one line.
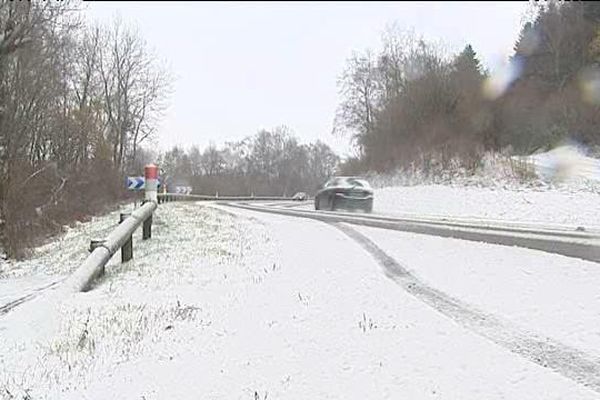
[[183, 189], [135, 183]]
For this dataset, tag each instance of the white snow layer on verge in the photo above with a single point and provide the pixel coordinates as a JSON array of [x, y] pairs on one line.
[[54, 260], [64, 252], [570, 208], [230, 308]]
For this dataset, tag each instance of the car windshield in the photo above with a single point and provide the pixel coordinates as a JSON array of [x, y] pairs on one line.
[[348, 182], [358, 183]]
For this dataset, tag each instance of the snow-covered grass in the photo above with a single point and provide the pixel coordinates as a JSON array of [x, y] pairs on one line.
[[197, 262], [565, 168], [494, 170], [63, 252], [53, 261]]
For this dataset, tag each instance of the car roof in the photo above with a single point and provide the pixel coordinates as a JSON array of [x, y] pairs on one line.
[[348, 177]]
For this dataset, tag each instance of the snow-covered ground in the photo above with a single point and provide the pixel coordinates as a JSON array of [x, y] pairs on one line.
[[550, 294], [239, 305]]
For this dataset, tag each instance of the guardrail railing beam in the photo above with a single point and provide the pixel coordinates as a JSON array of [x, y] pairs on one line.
[[168, 197]]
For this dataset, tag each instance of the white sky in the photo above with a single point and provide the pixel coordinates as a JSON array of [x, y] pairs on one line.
[[244, 66]]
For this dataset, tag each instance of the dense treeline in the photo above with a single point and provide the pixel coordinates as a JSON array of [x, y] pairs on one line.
[[76, 102], [410, 104], [268, 163]]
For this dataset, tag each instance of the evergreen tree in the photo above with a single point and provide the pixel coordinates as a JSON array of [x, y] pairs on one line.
[[468, 63]]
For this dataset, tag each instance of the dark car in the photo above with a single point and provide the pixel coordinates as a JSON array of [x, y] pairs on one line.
[[342, 192], [300, 196]]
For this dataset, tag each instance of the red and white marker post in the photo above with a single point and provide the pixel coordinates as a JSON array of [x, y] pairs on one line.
[[151, 183]]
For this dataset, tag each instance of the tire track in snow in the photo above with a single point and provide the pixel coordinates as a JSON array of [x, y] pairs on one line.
[[543, 351], [6, 308]]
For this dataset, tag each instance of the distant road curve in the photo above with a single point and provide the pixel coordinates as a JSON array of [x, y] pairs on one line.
[[557, 240]]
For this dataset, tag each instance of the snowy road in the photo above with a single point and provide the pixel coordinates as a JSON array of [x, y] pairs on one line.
[[564, 240], [239, 304]]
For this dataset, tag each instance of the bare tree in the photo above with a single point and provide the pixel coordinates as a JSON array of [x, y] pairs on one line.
[[211, 161], [134, 90], [359, 89]]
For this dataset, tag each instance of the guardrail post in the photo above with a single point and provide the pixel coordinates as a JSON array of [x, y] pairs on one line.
[[127, 249], [94, 243], [147, 228]]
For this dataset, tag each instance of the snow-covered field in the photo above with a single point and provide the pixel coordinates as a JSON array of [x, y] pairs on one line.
[[230, 304]]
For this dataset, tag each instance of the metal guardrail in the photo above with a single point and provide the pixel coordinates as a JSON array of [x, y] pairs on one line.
[[121, 238], [102, 251], [168, 197]]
